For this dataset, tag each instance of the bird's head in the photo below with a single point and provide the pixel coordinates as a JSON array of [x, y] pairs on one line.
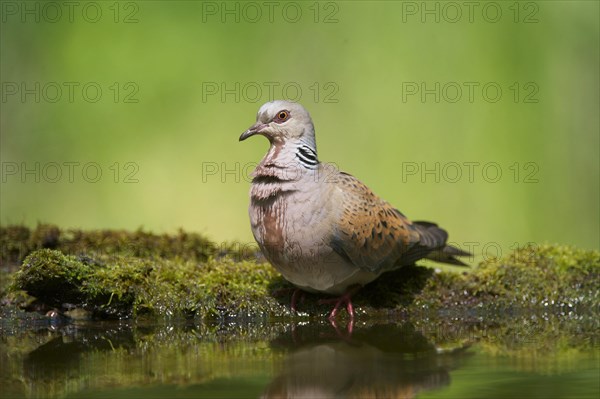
[[282, 121]]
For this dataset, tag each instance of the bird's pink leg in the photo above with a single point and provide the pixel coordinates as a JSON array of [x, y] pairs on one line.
[[297, 292], [345, 298]]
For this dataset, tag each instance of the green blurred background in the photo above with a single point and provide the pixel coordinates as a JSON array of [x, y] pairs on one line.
[[172, 132]]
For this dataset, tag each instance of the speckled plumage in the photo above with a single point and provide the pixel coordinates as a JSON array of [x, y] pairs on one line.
[[323, 229]]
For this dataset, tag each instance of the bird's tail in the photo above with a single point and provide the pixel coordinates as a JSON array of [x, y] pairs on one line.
[[437, 237], [447, 255]]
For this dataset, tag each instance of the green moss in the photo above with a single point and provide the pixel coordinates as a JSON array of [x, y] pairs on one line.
[[121, 274], [543, 276], [16, 242], [123, 286], [53, 276]]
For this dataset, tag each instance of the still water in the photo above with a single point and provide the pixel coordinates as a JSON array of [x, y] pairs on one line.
[[536, 356]]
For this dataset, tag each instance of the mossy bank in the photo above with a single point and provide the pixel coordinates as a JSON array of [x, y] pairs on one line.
[[119, 274]]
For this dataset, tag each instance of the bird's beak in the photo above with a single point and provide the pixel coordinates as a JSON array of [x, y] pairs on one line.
[[254, 129]]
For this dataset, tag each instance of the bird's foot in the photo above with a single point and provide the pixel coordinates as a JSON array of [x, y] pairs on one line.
[[346, 298]]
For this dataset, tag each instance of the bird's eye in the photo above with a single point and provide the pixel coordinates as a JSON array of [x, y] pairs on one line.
[[282, 116]]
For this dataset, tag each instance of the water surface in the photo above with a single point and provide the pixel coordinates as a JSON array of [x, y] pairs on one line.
[[539, 356]]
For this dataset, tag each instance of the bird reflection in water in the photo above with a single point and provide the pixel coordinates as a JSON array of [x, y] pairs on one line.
[[381, 361]]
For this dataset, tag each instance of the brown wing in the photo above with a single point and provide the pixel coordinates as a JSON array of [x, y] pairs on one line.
[[373, 235]]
